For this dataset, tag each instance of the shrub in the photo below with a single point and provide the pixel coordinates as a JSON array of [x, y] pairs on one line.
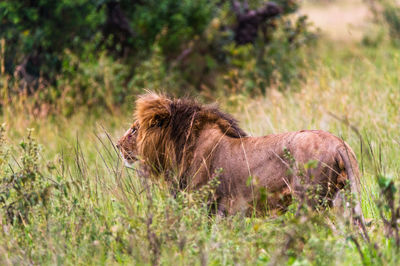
[[96, 53], [24, 192], [279, 62], [37, 33], [387, 13]]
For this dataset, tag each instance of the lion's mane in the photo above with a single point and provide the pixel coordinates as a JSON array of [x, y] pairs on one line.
[[169, 129]]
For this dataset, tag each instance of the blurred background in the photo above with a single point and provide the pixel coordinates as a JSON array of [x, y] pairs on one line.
[[66, 54]]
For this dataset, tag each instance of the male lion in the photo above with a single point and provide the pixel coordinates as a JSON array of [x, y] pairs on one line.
[[183, 139]]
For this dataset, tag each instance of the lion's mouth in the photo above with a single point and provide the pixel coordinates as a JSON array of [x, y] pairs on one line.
[[128, 164], [129, 159]]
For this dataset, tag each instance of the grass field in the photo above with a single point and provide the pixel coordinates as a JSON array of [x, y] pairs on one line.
[[99, 212]]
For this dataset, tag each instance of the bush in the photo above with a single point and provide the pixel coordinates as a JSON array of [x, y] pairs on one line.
[[24, 192], [280, 62], [95, 53], [37, 33], [387, 13]]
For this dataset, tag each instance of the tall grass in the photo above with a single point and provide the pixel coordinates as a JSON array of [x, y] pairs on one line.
[[105, 214]]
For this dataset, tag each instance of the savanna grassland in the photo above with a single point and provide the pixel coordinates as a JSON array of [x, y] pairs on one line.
[[80, 205]]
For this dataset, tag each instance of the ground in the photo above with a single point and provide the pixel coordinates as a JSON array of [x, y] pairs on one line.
[[339, 20]]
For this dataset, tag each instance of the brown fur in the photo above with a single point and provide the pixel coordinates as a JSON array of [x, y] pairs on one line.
[[194, 141]]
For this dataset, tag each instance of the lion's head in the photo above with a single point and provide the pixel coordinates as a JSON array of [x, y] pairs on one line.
[[165, 131]]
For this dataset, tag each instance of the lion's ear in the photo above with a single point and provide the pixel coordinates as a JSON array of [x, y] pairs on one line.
[[153, 110]]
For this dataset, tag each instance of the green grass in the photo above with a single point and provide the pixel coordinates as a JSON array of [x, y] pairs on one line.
[[107, 215]]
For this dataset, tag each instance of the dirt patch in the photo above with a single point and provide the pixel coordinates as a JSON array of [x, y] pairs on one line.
[[339, 20]]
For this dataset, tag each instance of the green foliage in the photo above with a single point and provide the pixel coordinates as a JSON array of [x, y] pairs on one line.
[[44, 29], [101, 83], [27, 190], [387, 16], [391, 15], [94, 53], [279, 62], [170, 23], [153, 74]]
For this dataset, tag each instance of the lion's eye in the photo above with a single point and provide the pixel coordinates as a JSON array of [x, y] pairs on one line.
[[133, 130]]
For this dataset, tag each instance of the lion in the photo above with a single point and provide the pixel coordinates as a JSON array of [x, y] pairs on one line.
[[191, 143]]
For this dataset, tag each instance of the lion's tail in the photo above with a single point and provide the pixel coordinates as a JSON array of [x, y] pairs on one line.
[[353, 174]]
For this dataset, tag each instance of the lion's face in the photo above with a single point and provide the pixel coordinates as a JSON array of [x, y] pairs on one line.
[[127, 145]]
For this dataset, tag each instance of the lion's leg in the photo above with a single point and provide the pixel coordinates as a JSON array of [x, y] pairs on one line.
[[316, 187], [221, 213], [221, 207], [232, 205], [327, 189], [341, 203]]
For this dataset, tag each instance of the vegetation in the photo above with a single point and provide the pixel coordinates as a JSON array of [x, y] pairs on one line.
[[66, 198], [73, 53], [387, 12], [100, 212]]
